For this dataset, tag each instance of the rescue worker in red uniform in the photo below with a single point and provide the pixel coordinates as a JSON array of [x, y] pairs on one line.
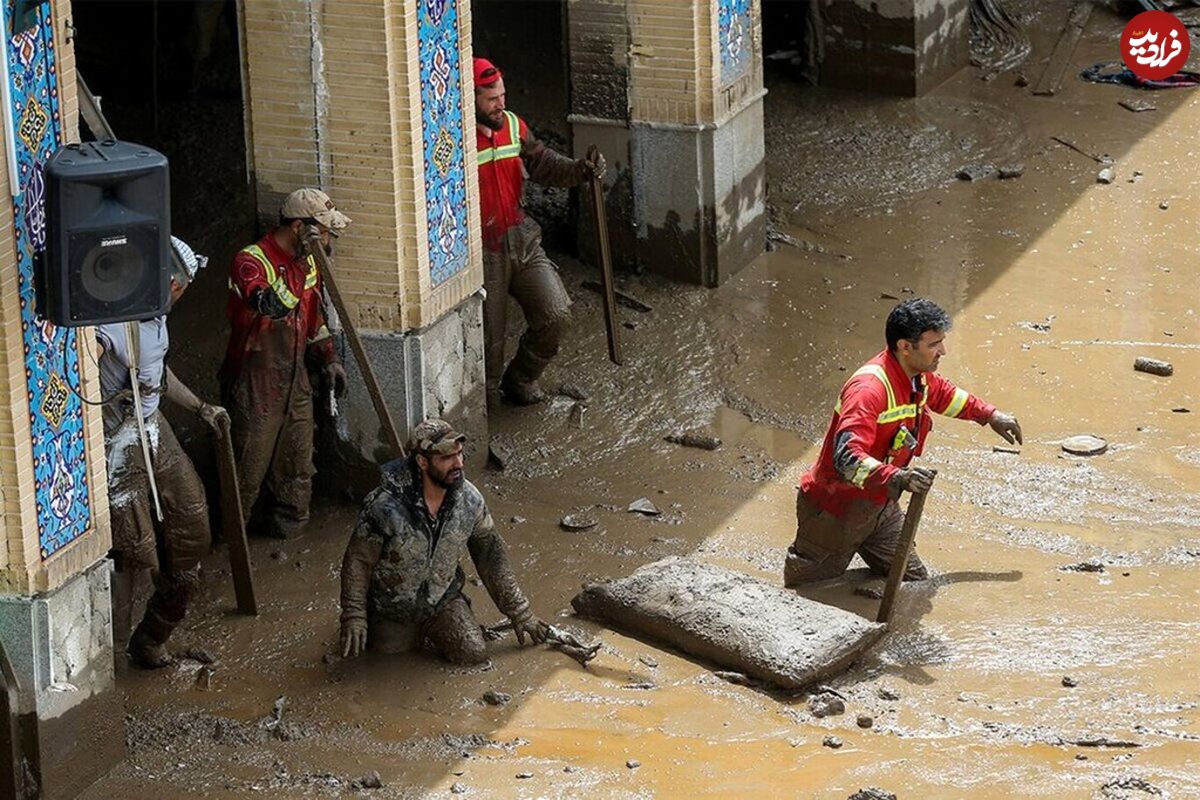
[[847, 500], [513, 259], [275, 310]]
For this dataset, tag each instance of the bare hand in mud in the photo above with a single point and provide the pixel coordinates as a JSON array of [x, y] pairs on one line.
[[354, 637], [1007, 427], [532, 627], [917, 480], [214, 417]]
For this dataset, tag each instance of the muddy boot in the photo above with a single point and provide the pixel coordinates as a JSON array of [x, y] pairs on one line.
[[145, 652], [522, 394]]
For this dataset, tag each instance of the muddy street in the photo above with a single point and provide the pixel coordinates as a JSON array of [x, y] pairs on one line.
[[1054, 653]]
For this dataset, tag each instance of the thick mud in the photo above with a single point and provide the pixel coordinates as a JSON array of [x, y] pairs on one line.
[[1012, 673]]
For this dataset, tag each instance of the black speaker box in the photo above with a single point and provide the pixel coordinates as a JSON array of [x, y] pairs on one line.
[[108, 223]]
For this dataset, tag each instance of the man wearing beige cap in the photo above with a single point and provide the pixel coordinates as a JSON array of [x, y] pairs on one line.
[[401, 578], [277, 318]]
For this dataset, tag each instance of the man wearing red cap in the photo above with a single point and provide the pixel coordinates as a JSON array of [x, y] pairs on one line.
[[513, 259]]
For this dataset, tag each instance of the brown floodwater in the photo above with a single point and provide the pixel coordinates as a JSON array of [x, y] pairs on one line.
[[1057, 283]]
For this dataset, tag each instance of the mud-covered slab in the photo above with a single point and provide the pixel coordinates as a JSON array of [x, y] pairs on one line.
[[732, 620]]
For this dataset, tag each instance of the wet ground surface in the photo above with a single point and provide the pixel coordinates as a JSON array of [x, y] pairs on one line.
[[1049, 569]]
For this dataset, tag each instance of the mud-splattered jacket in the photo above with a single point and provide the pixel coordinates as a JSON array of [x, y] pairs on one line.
[[504, 158], [879, 425], [403, 564]]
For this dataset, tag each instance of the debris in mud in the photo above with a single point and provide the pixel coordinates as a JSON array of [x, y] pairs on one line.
[[1103, 741], [576, 414], [702, 441], [641, 686], [623, 299], [649, 661], [1120, 789], [517, 520], [574, 391], [643, 506], [521, 776], [1164, 205], [976, 172], [1181, 410], [832, 742], [1101, 159], [204, 678], [777, 236], [1085, 444], [1137, 105], [737, 678], [200, 654], [826, 705], [578, 522], [494, 698], [1153, 366], [1022, 81], [633, 763], [458, 788], [873, 592], [886, 296], [1083, 566], [1067, 680], [499, 453], [1009, 171], [1106, 175], [1012, 451], [887, 693], [872, 793], [369, 781], [1040, 327], [865, 721]]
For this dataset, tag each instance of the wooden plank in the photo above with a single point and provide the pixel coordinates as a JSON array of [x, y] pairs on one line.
[[234, 523], [908, 535], [600, 214], [1064, 48]]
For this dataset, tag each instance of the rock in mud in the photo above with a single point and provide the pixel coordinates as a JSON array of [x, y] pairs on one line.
[[649, 661], [578, 522], [458, 788], [574, 391], [204, 678], [1012, 451], [370, 781], [872, 592], [865, 721], [200, 654], [872, 793], [1009, 171], [1106, 175], [633, 763], [832, 742], [643, 506], [1104, 741], [493, 698], [1124, 788], [733, 620], [1164, 205], [521, 776], [1136, 105], [975, 172], [1083, 566], [702, 441], [499, 454], [826, 705], [1154, 366], [1069, 682], [887, 693], [517, 520], [1084, 444], [1021, 81]]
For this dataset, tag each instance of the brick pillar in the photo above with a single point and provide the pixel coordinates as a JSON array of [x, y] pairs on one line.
[[672, 93], [369, 100], [55, 612], [903, 47]]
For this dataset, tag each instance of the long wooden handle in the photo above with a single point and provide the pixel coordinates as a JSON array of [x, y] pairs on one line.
[[608, 284], [312, 238], [234, 524], [908, 534]]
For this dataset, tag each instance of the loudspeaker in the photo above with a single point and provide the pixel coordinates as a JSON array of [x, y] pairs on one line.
[[108, 223]]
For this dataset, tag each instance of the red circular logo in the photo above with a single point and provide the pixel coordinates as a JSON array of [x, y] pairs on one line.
[[1155, 45]]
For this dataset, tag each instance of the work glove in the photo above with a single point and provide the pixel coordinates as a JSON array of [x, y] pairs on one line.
[[354, 637], [214, 417], [266, 302], [912, 479], [532, 627], [592, 169], [335, 378], [1007, 427]]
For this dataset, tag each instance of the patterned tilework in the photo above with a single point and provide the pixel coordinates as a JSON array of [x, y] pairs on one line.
[[443, 131], [733, 28], [51, 356]]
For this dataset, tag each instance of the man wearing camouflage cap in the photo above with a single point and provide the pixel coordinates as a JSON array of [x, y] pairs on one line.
[[401, 578], [277, 318]]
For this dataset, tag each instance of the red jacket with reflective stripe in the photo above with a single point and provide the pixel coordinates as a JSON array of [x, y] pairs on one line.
[[878, 427], [501, 179], [306, 321]]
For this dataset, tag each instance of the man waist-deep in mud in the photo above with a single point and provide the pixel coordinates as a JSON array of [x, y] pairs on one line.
[[847, 500], [277, 319], [173, 553], [513, 259], [401, 579]]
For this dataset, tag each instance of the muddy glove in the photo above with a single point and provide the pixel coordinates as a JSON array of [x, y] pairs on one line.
[[335, 378], [214, 417], [354, 637], [1007, 427], [913, 479], [532, 627], [266, 302], [589, 168]]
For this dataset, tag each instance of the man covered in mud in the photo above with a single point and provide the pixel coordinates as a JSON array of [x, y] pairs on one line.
[[401, 579], [847, 500], [277, 322], [513, 259], [171, 549]]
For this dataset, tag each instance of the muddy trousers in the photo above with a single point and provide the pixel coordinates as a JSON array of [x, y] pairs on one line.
[[522, 269], [453, 633], [825, 544], [172, 549], [272, 431]]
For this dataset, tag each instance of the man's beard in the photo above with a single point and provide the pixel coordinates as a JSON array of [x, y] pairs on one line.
[[484, 119], [443, 480]]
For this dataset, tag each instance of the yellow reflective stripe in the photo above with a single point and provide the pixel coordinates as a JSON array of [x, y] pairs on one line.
[[896, 414], [233, 288], [878, 372], [865, 468], [274, 279], [310, 279], [957, 403], [510, 150], [321, 334]]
